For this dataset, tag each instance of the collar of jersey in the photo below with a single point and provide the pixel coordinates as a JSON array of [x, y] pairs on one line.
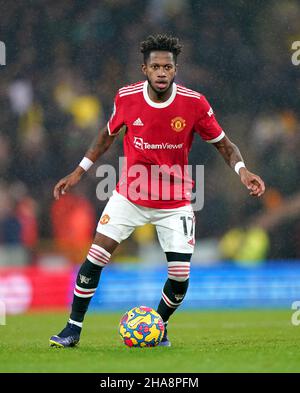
[[159, 104]]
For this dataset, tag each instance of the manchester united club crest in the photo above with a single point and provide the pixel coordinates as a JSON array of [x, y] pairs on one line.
[[104, 220], [178, 124]]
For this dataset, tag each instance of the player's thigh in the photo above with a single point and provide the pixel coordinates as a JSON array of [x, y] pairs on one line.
[[176, 230], [119, 219]]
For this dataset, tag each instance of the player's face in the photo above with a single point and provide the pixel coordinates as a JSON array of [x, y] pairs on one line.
[[160, 70]]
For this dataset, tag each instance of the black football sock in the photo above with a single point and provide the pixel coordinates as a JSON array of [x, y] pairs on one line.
[[86, 284], [172, 296], [70, 329]]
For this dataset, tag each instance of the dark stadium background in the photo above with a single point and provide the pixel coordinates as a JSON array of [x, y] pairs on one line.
[[64, 63]]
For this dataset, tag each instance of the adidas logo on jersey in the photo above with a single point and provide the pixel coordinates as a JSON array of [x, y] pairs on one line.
[[138, 122]]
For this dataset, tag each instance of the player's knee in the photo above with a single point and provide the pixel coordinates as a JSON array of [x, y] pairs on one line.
[[98, 255], [179, 271]]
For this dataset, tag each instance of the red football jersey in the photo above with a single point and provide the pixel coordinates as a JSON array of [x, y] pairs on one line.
[[157, 142]]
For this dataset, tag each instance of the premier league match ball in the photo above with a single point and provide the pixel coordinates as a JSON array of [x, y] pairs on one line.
[[141, 327]]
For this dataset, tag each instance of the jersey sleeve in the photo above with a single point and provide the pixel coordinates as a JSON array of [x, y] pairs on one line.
[[116, 120], [206, 124]]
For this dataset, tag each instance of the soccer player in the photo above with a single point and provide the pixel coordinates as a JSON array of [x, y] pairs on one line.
[[160, 118]]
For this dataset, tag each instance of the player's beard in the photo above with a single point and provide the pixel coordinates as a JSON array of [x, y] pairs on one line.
[[161, 92]]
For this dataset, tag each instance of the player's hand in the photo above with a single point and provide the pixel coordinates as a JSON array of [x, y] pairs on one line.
[[253, 182], [65, 184]]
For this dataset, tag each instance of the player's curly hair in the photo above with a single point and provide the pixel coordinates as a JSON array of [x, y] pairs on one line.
[[161, 42]]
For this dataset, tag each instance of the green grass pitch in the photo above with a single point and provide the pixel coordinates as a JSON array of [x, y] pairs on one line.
[[210, 341]]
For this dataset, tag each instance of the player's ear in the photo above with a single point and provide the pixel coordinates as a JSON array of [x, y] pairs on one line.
[[144, 69]]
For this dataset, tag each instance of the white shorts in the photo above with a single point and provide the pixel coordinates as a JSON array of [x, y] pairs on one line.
[[175, 227]]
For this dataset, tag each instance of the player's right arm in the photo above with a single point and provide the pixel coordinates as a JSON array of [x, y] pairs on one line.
[[100, 144]]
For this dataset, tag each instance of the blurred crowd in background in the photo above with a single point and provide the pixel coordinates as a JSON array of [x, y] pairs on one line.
[[65, 62]]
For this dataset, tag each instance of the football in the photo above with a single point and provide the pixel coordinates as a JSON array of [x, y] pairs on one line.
[[141, 327]]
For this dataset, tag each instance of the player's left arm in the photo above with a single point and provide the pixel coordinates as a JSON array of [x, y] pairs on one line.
[[232, 157]]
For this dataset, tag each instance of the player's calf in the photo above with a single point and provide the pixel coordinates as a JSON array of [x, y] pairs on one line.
[[87, 281], [86, 284], [175, 288], [173, 294]]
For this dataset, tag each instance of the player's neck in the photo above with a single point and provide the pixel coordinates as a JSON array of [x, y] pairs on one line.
[[159, 97]]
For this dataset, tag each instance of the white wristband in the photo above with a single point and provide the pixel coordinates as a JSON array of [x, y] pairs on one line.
[[86, 163], [238, 166]]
